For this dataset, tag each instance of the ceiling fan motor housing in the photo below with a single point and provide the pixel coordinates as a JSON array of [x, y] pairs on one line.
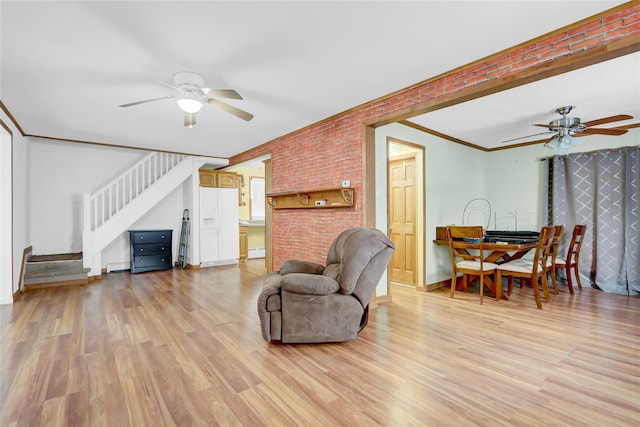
[[185, 80], [565, 123]]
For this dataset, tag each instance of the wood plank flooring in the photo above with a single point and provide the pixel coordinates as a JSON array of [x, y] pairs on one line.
[[184, 348]]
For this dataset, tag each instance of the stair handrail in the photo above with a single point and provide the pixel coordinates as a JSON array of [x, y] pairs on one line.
[[114, 196]]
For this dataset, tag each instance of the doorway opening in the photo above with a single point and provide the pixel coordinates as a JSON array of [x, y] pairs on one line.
[[406, 212], [255, 215]]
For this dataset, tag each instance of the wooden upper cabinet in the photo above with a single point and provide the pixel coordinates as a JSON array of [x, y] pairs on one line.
[[219, 179], [227, 180], [208, 178]]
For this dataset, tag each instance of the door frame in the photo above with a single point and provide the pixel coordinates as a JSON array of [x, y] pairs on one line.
[[418, 152], [265, 159]]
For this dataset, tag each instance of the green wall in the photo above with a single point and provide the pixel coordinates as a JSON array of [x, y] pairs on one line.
[[513, 180]]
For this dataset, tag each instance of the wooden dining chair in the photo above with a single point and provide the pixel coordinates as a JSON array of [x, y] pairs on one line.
[[553, 255], [571, 261], [533, 270], [467, 258]]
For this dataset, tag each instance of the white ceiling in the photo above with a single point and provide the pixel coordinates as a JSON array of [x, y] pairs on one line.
[[602, 90], [66, 66]]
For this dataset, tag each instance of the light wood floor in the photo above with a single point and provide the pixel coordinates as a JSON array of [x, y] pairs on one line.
[[184, 348]]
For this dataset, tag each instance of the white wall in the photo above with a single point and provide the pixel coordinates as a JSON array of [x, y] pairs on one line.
[[61, 172], [15, 207], [513, 180], [165, 215], [6, 192]]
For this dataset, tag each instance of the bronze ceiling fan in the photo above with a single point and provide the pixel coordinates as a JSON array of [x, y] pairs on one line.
[[567, 129], [193, 95]]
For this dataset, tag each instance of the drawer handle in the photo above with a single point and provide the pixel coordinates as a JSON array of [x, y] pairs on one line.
[[141, 249]]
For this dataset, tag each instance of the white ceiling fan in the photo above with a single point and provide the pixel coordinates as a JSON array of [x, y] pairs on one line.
[[567, 129], [193, 95]]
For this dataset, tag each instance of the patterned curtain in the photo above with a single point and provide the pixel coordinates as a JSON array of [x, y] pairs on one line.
[[602, 190]]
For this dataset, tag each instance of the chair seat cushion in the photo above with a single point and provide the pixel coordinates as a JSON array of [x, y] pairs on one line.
[[518, 265], [561, 261], [475, 265]]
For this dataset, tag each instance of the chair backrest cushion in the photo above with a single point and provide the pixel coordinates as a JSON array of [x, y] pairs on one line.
[[352, 254]]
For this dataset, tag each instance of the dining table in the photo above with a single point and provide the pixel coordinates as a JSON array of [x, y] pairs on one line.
[[498, 251]]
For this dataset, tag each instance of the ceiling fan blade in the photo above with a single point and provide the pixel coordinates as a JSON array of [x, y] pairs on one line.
[[170, 85], [523, 137], [145, 101], [602, 131], [540, 124], [223, 93], [189, 119], [608, 120], [231, 109]]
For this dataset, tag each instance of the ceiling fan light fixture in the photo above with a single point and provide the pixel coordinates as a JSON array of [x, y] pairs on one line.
[[189, 102], [563, 141]]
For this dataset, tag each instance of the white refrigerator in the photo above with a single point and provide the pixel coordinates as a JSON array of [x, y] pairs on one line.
[[219, 229]]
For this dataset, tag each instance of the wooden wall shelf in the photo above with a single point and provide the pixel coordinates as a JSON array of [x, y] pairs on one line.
[[313, 199]]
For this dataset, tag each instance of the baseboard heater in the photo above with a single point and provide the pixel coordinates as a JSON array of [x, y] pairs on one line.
[[118, 266], [256, 253], [219, 262]]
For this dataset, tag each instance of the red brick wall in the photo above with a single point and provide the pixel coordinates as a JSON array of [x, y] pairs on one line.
[[325, 153]]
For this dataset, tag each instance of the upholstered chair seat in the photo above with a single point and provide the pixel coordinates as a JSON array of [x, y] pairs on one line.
[[475, 265], [532, 270], [521, 266]]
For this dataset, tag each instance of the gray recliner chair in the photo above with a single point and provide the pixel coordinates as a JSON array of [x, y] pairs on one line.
[[306, 302]]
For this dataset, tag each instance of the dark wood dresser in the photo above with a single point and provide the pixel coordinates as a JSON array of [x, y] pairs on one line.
[[150, 250]]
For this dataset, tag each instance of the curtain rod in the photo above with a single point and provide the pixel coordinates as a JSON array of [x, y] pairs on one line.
[[591, 153]]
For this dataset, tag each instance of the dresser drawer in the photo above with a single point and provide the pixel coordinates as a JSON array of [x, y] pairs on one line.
[[150, 236], [152, 249], [152, 261]]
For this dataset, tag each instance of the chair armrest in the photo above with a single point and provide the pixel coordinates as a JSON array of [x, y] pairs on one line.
[[270, 287], [310, 284], [296, 266]]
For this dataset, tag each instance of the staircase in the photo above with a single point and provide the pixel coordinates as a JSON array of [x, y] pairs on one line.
[[111, 210], [46, 271]]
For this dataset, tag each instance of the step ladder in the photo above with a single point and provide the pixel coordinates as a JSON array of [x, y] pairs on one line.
[[183, 249]]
